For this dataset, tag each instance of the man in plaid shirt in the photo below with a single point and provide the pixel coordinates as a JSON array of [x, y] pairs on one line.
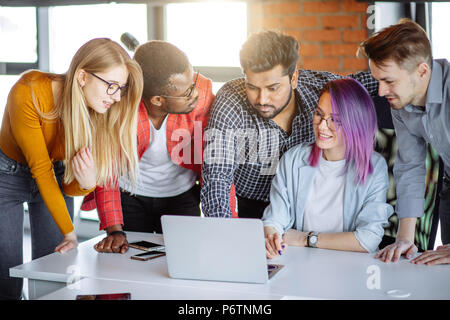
[[172, 116], [255, 119]]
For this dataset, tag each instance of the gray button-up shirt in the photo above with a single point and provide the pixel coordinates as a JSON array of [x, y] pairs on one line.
[[415, 128]]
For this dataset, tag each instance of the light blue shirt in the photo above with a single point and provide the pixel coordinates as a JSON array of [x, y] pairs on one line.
[[366, 212], [415, 127]]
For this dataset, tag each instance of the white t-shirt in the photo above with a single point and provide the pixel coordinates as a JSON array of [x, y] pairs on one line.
[[324, 209], [158, 176]]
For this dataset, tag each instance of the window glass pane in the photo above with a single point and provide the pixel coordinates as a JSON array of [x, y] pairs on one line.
[[439, 29], [18, 34], [6, 83], [67, 34], [211, 34], [216, 86]]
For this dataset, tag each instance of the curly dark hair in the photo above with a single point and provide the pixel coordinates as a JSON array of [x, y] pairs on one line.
[[159, 61]]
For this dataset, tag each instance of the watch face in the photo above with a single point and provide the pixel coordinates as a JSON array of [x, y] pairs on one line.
[[313, 239]]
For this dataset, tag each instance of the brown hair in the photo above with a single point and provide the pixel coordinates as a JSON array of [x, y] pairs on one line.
[[266, 49], [406, 43]]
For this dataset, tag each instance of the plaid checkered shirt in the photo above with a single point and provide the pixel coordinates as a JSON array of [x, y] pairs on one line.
[[107, 199], [243, 148]]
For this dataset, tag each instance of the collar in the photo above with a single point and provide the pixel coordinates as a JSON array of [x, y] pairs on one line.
[[434, 91], [298, 101], [305, 153]]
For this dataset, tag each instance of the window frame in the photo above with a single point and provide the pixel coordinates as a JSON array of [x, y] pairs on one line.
[[156, 15], [16, 68], [156, 30]]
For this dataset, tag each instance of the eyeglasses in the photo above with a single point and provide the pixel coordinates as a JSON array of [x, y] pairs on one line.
[[112, 86], [317, 120], [188, 93]]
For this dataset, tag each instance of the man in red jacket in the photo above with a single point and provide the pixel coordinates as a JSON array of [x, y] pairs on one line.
[[173, 113]]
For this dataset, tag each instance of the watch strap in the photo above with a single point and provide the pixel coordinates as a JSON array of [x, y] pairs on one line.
[[307, 238], [117, 232]]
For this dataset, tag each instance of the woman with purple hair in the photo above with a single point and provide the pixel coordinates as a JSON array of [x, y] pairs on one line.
[[332, 194]]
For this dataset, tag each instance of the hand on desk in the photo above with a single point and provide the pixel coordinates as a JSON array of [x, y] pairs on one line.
[[395, 250], [275, 244], [439, 256], [69, 242], [116, 243]]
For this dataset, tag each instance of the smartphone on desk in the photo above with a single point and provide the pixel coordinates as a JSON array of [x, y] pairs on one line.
[[146, 245], [112, 296], [148, 255]]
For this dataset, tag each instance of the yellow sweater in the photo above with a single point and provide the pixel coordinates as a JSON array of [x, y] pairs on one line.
[[38, 143]]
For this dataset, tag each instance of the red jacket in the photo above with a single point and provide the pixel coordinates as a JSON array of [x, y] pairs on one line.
[[184, 132]]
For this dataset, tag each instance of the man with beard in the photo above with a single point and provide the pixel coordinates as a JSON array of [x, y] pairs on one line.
[[173, 113], [418, 90], [256, 119]]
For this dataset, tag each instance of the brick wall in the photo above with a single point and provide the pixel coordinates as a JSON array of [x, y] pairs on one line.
[[328, 31]]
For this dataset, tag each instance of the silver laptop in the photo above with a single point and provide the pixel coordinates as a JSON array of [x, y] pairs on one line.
[[216, 249]]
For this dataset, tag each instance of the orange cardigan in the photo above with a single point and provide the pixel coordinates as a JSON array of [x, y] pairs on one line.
[[38, 143]]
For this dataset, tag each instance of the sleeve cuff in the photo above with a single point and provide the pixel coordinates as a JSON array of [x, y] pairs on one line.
[[367, 240], [276, 226], [103, 226], [410, 207], [67, 229], [73, 189]]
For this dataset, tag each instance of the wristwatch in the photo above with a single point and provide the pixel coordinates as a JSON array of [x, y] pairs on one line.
[[311, 239]]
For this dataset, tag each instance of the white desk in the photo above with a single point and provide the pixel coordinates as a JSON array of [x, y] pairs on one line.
[[146, 291], [309, 273]]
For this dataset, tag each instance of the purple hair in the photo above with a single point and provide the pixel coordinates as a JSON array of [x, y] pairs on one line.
[[353, 109]]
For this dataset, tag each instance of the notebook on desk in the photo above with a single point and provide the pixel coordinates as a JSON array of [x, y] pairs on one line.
[[216, 249]]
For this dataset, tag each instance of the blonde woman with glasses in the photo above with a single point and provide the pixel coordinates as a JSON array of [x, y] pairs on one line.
[[61, 136]]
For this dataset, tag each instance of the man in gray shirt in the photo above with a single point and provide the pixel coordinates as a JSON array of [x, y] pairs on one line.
[[418, 90]]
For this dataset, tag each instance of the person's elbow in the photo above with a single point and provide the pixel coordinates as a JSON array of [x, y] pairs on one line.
[[368, 240]]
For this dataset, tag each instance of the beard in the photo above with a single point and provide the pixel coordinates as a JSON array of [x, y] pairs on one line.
[[400, 102], [275, 111]]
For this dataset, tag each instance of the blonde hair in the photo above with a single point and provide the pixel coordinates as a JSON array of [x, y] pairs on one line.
[[111, 136]]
